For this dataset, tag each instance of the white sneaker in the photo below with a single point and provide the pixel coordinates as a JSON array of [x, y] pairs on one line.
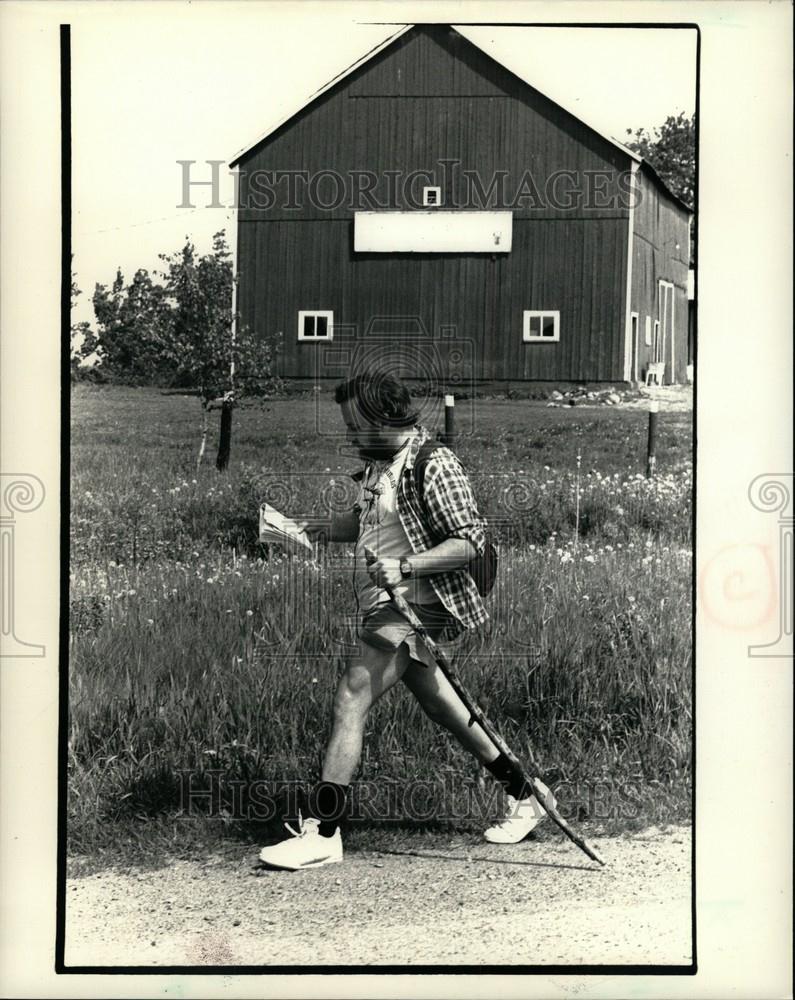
[[305, 848], [521, 817]]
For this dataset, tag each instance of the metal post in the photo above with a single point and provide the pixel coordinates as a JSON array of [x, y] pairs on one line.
[[651, 448], [449, 421]]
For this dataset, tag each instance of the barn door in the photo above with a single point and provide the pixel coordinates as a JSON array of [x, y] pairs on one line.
[[664, 348], [633, 361]]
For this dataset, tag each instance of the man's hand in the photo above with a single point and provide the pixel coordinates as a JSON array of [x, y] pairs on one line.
[[385, 572], [315, 527]]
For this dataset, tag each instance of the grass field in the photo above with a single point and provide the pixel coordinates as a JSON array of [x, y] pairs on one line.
[[197, 652]]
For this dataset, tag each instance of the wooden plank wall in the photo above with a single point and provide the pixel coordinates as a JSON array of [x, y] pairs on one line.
[[432, 96]]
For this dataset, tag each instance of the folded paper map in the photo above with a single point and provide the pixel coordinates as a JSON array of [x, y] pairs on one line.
[[275, 527]]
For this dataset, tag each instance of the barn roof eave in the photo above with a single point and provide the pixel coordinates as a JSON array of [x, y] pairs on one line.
[[373, 52], [402, 31], [335, 79], [645, 165]]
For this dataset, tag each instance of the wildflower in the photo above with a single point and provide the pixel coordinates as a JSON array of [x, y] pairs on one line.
[[229, 611], [150, 621], [249, 613], [131, 593], [590, 559]]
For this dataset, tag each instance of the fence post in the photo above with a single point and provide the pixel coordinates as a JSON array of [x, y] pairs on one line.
[[651, 448], [449, 421], [225, 440]]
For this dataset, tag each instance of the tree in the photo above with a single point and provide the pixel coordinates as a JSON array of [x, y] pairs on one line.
[[132, 324], [671, 150], [205, 348], [82, 339]]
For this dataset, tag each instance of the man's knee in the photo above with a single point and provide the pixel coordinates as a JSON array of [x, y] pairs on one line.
[[353, 696]]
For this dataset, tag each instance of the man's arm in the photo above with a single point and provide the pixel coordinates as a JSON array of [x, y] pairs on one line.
[[337, 528], [452, 553], [449, 502]]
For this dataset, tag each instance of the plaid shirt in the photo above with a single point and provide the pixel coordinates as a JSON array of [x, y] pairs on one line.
[[447, 509]]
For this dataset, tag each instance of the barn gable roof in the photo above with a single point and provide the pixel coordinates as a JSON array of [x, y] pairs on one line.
[[389, 40]]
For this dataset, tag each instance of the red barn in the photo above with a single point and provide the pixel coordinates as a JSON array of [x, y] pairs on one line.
[[428, 204]]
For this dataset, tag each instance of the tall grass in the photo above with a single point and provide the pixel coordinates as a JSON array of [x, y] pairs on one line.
[[196, 650]]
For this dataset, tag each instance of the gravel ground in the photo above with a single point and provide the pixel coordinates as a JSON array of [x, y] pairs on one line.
[[672, 398], [462, 903]]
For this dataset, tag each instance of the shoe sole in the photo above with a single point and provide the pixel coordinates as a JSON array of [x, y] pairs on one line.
[[299, 868]]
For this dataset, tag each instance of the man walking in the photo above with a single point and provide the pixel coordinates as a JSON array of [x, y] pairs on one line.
[[423, 535]]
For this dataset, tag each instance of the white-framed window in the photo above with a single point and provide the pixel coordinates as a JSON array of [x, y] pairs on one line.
[[541, 326], [316, 324], [648, 331], [431, 197]]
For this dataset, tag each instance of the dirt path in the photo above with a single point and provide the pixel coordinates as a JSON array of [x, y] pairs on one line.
[[465, 903]]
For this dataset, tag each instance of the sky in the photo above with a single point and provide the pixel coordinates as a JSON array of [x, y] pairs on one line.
[[153, 85]]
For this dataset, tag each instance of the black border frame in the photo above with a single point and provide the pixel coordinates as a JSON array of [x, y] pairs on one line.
[[63, 645]]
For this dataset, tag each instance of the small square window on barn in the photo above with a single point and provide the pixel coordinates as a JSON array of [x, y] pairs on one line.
[[431, 197], [316, 324], [541, 326]]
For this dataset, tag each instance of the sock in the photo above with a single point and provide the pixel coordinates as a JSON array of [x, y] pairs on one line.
[[328, 804], [510, 777]]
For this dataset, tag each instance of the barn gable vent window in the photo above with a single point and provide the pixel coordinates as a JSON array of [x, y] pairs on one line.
[[316, 324], [541, 326], [431, 197]]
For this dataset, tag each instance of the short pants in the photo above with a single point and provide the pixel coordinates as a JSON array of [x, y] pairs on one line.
[[385, 628]]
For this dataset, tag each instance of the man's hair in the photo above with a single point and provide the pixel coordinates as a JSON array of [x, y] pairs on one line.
[[380, 397]]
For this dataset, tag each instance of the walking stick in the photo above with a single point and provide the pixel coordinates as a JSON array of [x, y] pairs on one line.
[[476, 715]]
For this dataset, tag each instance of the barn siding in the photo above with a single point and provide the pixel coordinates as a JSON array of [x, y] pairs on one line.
[[659, 224], [311, 266], [430, 96], [512, 128]]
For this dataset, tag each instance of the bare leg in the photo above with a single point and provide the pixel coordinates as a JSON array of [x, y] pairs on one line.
[[368, 675], [441, 704]]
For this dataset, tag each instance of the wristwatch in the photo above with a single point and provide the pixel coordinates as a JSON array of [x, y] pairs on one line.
[[406, 568]]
